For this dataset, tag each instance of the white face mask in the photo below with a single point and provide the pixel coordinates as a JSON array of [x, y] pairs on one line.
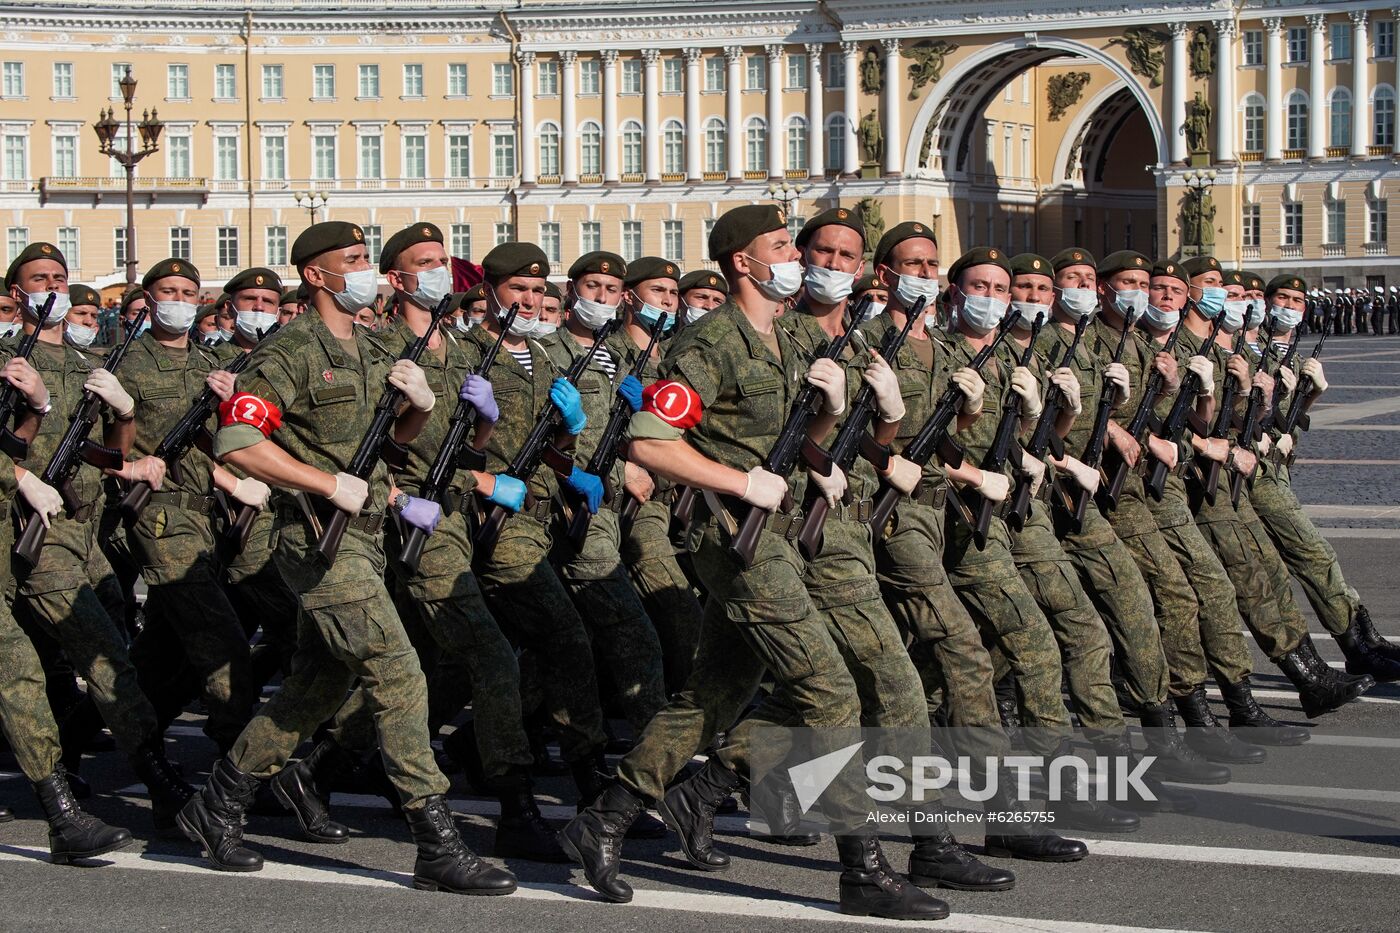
[[250, 322], [1285, 319], [1234, 315], [544, 328], [520, 325], [785, 281], [930, 322], [593, 314], [9, 329], [1131, 303], [226, 334], [910, 288], [360, 288], [433, 286], [876, 309], [1162, 319], [81, 336], [1255, 316], [176, 316], [61, 304], [828, 286], [211, 339], [981, 313], [1029, 312], [693, 314], [1080, 302]]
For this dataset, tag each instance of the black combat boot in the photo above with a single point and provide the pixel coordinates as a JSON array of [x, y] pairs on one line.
[[871, 888], [168, 791], [594, 840], [939, 861], [1245, 713], [1320, 689], [1379, 645], [689, 809], [776, 801], [1209, 738], [296, 788], [444, 862], [591, 777], [1076, 807], [521, 831], [215, 817], [1025, 841], [6, 814], [1362, 658], [1176, 761], [77, 733], [546, 765], [1123, 759], [74, 834]]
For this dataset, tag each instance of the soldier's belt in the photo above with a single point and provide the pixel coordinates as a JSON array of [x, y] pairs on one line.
[[204, 505], [82, 515], [786, 525], [454, 501], [859, 510], [371, 523], [933, 495], [540, 511]]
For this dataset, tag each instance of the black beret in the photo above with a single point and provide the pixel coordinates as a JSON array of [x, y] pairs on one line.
[[841, 216], [1287, 280], [30, 253], [476, 293], [978, 256], [457, 302], [1073, 256], [256, 277], [1030, 264], [651, 267], [1200, 265], [1234, 277], [1123, 260], [290, 296], [552, 291], [866, 282], [898, 234], [168, 267], [324, 237], [131, 295], [1253, 281], [737, 228], [703, 278], [599, 261], [210, 309], [1170, 267], [515, 259], [84, 295], [409, 236]]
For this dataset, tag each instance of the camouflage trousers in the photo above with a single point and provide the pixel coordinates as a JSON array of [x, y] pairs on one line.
[[666, 594], [24, 703], [348, 630], [264, 604], [525, 594], [1304, 550]]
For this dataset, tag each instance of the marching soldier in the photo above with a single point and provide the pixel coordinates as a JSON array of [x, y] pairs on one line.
[[701, 292], [80, 327]]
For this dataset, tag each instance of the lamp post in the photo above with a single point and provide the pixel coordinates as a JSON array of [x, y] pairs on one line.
[[312, 201], [106, 129], [785, 194], [1199, 182]]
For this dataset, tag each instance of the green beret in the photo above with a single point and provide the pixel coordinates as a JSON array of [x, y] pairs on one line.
[[30, 253], [1073, 256], [457, 303], [168, 267], [1287, 280], [1200, 265], [866, 282], [1234, 277], [1121, 261], [651, 267], [1030, 264], [552, 291], [514, 258], [290, 296], [210, 309], [898, 234], [978, 256], [409, 236], [476, 293], [256, 277], [1170, 267], [131, 295], [739, 227], [599, 261], [841, 216], [324, 237], [84, 295], [703, 278], [1253, 281]]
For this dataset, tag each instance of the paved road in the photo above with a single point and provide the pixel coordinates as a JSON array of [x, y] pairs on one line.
[[1331, 862]]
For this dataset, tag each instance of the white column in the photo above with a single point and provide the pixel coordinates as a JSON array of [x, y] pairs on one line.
[[894, 133], [1273, 89], [816, 150], [1317, 92], [526, 132], [851, 104], [1178, 65], [694, 132], [610, 173], [568, 133], [1360, 85], [1225, 32], [1395, 81], [777, 132], [652, 152], [734, 109]]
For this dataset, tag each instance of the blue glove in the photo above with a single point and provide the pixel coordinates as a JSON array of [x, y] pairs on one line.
[[564, 397], [588, 486], [423, 514], [630, 388], [509, 492]]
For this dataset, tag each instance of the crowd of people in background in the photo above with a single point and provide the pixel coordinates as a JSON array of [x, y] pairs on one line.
[[1374, 309]]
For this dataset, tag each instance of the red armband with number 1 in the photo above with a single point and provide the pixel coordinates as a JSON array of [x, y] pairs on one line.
[[247, 408], [675, 403]]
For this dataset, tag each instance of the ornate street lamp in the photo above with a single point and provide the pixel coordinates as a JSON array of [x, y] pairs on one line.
[[106, 129], [312, 201]]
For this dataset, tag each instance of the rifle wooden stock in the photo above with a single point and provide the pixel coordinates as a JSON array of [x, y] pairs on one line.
[[11, 443]]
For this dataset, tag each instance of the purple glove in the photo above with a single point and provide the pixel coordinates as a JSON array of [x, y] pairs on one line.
[[423, 514], [477, 390]]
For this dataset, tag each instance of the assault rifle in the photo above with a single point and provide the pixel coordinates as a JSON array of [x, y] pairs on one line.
[[1094, 449], [1007, 428], [1118, 469], [1290, 421], [1209, 470], [1250, 427], [10, 442], [1043, 436], [1175, 423]]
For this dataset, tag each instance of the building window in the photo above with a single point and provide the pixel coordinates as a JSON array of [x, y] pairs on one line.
[[1253, 47], [323, 166], [369, 81], [716, 146], [276, 241], [226, 82], [631, 76], [323, 82], [673, 240], [797, 144], [549, 149], [672, 148], [459, 155], [275, 158], [502, 152], [1339, 117], [14, 79], [225, 158], [177, 82], [1385, 38], [374, 241], [272, 82], [1254, 123], [502, 79], [1383, 117], [68, 246], [797, 72], [1341, 41], [177, 160], [590, 236], [835, 70], [836, 131], [1297, 45], [415, 156], [118, 72], [16, 157], [413, 80], [756, 145], [16, 239], [371, 164], [228, 246], [181, 243], [591, 149], [505, 233], [457, 79], [1377, 221], [708, 227], [62, 79], [714, 73], [549, 241], [1292, 225], [65, 156], [672, 76], [589, 76], [631, 148], [1297, 120], [119, 246], [1336, 216], [548, 78], [794, 225], [462, 240], [756, 73], [631, 240]]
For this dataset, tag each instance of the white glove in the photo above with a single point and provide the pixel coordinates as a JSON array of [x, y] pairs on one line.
[[1265, 442], [42, 498], [222, 382], [832, 487], [1033, 468], [106, 387], [408, 378], [764, 490], [880, 377], [1117, 374], [1284, 445], [828, 376], [1205, 371], [252, 492], [1084, 476], [994, 486], [1290, 379], [904, 475], [1068, 383], [350, 493], [1024, 384], [1313, 368], [970, 384]]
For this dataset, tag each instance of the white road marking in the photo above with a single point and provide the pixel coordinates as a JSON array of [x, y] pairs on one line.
[[1309, 861]]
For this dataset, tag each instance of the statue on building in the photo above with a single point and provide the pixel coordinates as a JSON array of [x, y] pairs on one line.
[[927, 67], [1197, 224], [926, 147], [872, 138], [873, 219], [1202, 53], [1143, 46], [1197, 126], [872, 76], [1063, 91], [1207, 210]]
